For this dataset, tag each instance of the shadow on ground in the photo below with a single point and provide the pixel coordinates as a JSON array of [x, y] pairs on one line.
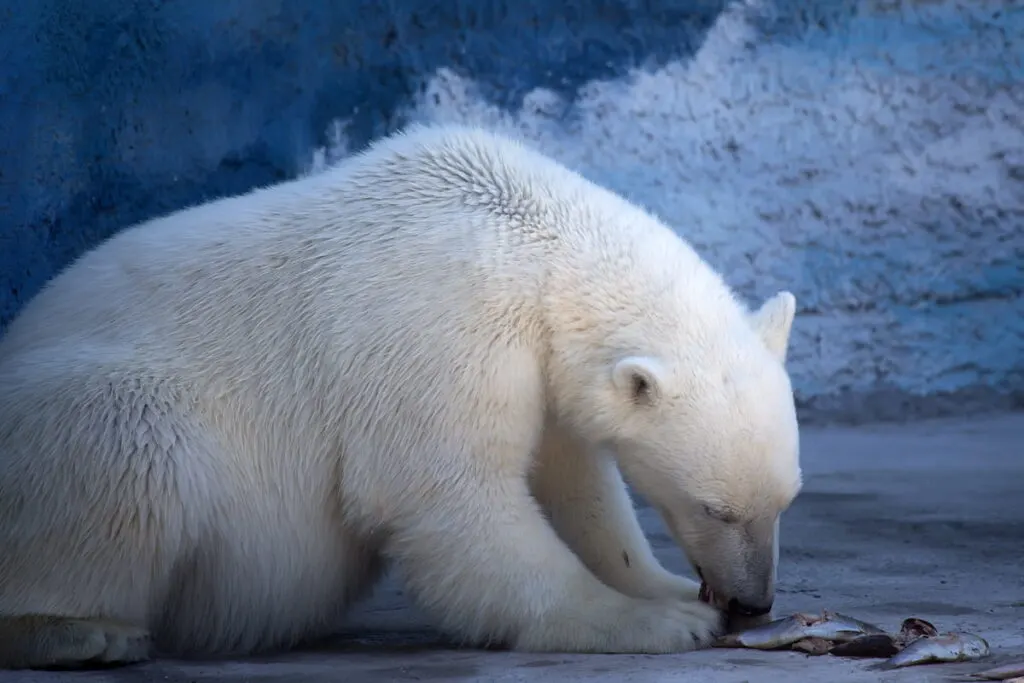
[[919, 520]]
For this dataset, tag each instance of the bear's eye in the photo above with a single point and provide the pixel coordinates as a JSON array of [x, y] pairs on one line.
[[719, 514]]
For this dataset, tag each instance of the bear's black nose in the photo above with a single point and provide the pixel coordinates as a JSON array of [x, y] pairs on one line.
[[743, 610]]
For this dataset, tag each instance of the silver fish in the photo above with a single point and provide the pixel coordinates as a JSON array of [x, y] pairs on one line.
[[912, 629], [770, 636], [840, 628], [813, 647], [1001, 673], [876, 645], [882, 645], [784, 632], [948, 647]]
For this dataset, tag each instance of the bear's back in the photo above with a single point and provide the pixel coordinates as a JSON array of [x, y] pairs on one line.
[[427, 237]]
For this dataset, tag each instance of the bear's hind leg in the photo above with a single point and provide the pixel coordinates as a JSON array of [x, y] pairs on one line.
[[45, 642], [101, 497]]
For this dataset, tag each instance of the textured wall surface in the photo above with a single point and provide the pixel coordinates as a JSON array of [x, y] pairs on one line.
[[868, 155]]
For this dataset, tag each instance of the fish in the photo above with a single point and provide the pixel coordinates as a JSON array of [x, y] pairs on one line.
[[773, 635], [840, 628], [883, 645], [948, 647], [784, 632], [812, 646], [876, 645], [913, 628], [1002, 673]]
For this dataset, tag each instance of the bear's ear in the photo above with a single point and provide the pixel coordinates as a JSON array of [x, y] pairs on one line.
[[773, 322], [639, 379]]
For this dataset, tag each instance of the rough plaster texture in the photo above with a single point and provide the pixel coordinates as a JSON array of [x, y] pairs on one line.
[[868, 155], [876, 169]]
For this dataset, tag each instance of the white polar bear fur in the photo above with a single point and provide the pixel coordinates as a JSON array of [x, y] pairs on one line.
[[223, 424]]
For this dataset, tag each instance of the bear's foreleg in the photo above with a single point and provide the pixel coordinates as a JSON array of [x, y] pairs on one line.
[[482, 559], [585, 498]]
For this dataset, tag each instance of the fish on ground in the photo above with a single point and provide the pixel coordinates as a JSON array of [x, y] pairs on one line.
[[875, 646], [781, 633], [917, 642], [884, 645], [812, 646], [913, 628], [948, 647]]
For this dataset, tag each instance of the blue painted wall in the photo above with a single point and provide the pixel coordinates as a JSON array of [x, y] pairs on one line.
[[114, 111]]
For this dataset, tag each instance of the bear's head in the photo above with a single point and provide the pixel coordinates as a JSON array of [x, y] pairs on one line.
[[704, 427]]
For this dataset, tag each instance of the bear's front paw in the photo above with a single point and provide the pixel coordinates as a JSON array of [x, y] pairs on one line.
[[626, 625], [672, 625]]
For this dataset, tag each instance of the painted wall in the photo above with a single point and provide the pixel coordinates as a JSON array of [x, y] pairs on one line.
[[867, 155]]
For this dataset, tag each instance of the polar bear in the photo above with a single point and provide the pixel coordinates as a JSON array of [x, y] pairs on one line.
[[442, 356]]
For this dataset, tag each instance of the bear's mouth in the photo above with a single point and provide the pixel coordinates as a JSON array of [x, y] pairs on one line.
[[710, 597], [706, 594], [733, 622]]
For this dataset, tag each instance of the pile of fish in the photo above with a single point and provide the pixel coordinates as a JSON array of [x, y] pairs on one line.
[[918, 642]]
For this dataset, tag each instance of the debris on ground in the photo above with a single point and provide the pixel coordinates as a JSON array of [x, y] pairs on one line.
[[1006, 672]]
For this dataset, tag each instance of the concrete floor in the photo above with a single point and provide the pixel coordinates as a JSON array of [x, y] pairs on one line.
[[924, 519]]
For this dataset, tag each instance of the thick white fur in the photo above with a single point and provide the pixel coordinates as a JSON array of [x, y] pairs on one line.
[[221, 425]]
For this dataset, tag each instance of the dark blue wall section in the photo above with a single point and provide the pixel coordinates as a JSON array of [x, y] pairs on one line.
[[113, 111]]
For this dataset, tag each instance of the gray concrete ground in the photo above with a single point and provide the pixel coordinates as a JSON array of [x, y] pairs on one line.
[[923, 519]]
